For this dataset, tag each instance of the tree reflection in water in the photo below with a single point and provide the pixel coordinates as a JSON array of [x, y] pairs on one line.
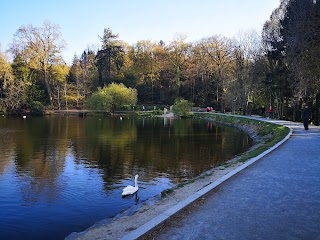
[[62, 174]]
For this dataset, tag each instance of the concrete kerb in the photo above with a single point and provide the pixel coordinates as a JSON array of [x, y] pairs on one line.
[[160, 219]]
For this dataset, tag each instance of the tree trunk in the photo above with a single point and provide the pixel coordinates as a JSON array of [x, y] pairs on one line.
[[59, 104], [297, 111], [65, 95], [48, 86], [285, 113], [316, 110]]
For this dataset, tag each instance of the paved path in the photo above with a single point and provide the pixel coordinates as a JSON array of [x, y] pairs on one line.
[[277, 197]]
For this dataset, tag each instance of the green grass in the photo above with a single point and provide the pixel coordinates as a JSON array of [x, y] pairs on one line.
[[166, 192], [152, 113]]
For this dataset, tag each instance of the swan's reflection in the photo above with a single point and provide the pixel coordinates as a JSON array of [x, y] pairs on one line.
[[135, 196]]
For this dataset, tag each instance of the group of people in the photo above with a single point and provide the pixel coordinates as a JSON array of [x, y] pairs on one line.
[[209, 109], [263, 110], [305, 116]]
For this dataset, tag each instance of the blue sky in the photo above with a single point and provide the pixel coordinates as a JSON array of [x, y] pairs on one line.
[[82, 21]]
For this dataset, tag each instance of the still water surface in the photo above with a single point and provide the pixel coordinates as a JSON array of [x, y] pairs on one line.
[[62, 174]]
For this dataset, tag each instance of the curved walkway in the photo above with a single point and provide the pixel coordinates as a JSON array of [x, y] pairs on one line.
[[277, 197]]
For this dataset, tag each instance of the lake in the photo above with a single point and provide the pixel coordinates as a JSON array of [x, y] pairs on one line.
[[61, 174]]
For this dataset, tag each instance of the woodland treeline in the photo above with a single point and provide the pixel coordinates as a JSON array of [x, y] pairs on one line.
[[279, 67]]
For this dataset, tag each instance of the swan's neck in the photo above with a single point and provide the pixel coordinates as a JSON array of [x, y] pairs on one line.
[[136, 182]]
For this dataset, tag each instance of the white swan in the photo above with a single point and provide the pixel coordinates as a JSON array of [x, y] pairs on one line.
[[128, 190]]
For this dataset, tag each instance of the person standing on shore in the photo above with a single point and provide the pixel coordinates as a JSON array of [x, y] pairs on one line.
[[306, 114], [270, 112], [263, 110]]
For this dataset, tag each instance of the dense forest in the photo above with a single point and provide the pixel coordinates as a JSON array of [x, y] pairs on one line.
[[278, 67]]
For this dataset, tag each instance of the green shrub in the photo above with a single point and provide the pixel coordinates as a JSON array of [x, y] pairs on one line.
[[182, 108], [114, 96], [99, 101]]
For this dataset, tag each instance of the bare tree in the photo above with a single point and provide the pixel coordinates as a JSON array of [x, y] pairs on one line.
[[220, 53], [178, 51], [247, 50], [41, 47]]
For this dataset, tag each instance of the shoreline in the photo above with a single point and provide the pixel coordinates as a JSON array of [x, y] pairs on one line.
[[119, 226]]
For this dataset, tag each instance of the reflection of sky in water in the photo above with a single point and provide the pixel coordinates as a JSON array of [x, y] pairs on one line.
[[59, 175]]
